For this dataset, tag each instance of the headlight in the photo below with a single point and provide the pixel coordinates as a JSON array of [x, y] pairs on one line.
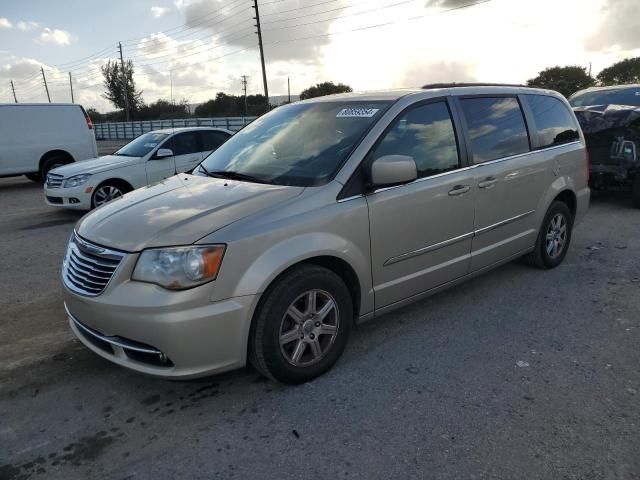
[[179, 267], [76, 181]]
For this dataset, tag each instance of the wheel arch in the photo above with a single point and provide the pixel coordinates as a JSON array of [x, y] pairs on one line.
[[118, 181], [55, 153], [569, 198]]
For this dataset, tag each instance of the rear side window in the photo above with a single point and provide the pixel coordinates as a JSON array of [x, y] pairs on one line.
[[496, 127], [554, 123], [425, 133], [185, 143], [212, 140]]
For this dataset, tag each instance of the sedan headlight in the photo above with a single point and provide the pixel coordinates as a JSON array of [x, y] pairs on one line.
[[178, 268], [76, 180]]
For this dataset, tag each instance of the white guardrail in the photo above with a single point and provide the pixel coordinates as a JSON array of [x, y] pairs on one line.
[[131, 130]]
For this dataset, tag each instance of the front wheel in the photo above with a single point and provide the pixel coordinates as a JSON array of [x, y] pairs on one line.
[[106, 192], [302, 325], [553, 238]]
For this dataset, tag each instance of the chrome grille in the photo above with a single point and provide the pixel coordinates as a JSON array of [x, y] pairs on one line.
[[54, 180], [87, 268]]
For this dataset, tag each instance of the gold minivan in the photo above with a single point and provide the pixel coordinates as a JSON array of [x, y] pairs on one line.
[[319, 215]]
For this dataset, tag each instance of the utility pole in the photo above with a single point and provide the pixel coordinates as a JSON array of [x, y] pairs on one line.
[[124, 84], [289, 88], [244, 87], [14, 92], [45, 84], [264, 71], [71, 85], [589, 68]]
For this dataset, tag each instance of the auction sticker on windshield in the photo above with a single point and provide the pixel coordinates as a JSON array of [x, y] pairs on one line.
[[357, 112]]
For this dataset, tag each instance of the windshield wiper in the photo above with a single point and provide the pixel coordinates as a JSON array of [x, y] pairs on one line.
[[232, 175]]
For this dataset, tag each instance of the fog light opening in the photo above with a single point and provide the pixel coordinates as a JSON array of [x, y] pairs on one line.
[[74, 200]]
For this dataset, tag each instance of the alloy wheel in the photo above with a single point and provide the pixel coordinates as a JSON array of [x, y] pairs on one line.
[[105, 194], [556, 237], [309, 328]]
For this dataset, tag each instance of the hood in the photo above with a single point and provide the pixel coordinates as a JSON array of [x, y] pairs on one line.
[[95, 165], [177, 211]]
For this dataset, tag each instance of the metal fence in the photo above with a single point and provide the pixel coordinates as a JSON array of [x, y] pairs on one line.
[[130, 130]]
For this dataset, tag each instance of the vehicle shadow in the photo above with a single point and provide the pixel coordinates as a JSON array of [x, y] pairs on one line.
[[18, 184], [618, 197]]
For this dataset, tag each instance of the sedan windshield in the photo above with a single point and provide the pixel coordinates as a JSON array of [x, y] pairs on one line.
[[142, 145], [626, 96], [300, 144]]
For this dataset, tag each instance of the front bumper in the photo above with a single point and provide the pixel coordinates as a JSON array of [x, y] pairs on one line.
[[165, 334], [73, 198]]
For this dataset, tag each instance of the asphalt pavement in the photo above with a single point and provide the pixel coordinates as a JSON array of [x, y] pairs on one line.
[[520, 373]]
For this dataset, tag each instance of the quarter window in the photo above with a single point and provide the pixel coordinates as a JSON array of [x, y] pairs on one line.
[[425, 133], [554, 123], [496, 127], [211, 140]]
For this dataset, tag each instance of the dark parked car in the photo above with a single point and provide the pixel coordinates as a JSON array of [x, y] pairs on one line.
[[610, 120]]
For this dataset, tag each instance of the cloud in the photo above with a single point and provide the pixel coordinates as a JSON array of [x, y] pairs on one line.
[[619, 27], [54, 36], [5, 23], [278, 30], [158, 12], [27, 26], [448, 3], [416, 75]]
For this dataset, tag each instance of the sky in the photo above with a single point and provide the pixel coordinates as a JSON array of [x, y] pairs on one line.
[[192, 49]]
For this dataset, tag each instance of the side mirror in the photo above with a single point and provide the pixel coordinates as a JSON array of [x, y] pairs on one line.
[[163, 153], [391, 170]]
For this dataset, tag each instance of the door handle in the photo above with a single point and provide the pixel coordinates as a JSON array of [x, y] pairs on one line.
[[459, 190], [487, 182]]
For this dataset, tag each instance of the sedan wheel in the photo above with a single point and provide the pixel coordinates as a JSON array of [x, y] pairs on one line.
[[106, 193]]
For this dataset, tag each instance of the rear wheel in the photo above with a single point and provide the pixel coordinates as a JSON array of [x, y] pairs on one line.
[[553, 238], [302, 326], [635, 192], [51, 163], [106, 192]]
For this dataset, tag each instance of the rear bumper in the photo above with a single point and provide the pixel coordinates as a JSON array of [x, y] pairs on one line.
[[582, 200]]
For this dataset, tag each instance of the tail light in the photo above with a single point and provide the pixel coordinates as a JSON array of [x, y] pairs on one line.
[[87, 118]]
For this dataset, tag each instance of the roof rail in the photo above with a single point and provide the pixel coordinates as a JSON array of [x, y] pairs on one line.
[[454, 84]]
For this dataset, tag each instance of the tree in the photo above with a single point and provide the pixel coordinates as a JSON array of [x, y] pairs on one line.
[[325, 88], [566, 80], [231, 106], [162, 109], [623, 72], [113, 85]]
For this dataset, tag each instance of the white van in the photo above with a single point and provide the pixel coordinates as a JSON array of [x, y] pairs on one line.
[[36, 137]]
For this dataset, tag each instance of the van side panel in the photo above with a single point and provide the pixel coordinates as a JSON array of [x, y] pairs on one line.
[[28, 132]]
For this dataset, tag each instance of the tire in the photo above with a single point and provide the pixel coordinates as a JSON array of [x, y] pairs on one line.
[[550, 252], [34, 177], [312, 345], [51, 163], [107, 191], [635, 191]]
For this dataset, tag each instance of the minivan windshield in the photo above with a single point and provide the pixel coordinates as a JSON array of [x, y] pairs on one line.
[[142, 145], [300, 144], [623, 96]]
